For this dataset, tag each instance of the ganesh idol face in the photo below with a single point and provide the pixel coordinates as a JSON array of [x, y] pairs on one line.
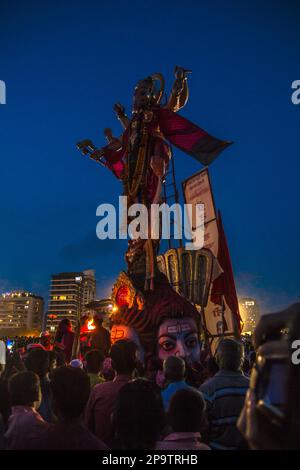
[[119, 332], [179, 337]]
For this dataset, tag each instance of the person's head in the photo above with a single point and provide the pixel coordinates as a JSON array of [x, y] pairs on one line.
[[24, 389], [139, 415], [65, 325], [107, 370], [45, 339], [174, 368], [98, 321], [38, 362], [123, 357], [94, 361], [230, 354], [70, 389], [32, 346], [77, 363], [125, 332], [186, 411]]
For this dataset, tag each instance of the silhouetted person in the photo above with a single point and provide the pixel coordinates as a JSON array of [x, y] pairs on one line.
[[101, 337], [4, 402], [58, 349], [174, 372], [93, 364], [139, 416], [45, 340], [224, 395], [25, 424], [185, 416], [65, 336], [70, 388], [103, 397], [38, 361]]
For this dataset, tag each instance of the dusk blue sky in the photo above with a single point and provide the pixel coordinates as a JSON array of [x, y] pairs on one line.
[[66, 63]]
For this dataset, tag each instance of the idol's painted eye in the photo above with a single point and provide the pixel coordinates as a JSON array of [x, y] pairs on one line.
[[191, 342], [167, 345]]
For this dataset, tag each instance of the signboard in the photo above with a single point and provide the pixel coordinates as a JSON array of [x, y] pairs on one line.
[[197, 190], [219, 320]]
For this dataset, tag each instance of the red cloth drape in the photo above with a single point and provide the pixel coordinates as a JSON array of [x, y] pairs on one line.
[[188, 137], [180, 132], [224, 285]]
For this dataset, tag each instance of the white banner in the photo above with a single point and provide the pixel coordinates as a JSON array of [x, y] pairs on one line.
[[218, 320], [197, 190]]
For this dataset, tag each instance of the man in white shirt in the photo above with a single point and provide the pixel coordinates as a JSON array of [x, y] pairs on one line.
[[2, 356]]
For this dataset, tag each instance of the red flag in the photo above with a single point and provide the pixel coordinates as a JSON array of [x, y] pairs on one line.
[[188, 137], [224, 285]]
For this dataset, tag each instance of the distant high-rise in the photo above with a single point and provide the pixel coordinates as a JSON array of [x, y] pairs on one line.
[[69, 293], [89, 288], [249, 311], [21, 312]]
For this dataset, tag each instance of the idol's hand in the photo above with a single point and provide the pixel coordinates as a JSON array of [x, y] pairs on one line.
[[181, 73], [119, 110], [97, 154]]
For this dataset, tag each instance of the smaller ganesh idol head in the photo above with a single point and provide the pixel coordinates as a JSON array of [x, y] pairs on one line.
[[166, 325], [147, 92], [126, 319]]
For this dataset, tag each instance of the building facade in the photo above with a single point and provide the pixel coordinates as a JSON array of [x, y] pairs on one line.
[[69, 293], [249, 310], [21, 312]]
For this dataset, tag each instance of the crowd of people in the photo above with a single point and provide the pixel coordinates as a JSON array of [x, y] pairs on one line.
[[19, 342], [104, 400]]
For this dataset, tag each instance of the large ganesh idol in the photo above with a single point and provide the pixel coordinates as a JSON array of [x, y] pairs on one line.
[[140, 156], [160, 320]]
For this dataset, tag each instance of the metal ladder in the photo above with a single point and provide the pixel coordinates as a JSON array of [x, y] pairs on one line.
[[171, 196]]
